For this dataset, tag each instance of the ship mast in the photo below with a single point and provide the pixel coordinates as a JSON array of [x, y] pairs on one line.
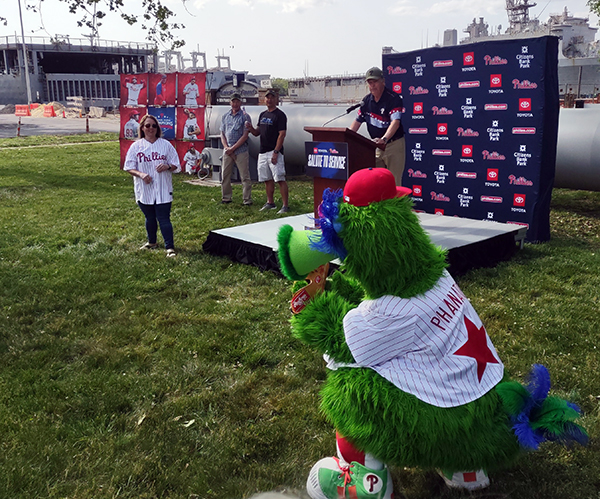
[[518, 15]]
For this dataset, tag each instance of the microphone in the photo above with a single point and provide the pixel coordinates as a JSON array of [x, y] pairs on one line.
[[349, 110], [356, 106]]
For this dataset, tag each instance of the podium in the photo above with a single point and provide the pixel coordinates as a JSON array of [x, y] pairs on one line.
[[361, 154]]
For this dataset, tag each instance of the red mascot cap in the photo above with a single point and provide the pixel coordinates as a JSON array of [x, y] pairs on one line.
[[372, 185]]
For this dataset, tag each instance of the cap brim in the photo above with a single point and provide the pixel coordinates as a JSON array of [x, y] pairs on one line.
[[402, 191]]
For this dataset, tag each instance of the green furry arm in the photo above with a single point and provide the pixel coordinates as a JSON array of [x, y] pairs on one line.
[[347, 287], [320, 325]]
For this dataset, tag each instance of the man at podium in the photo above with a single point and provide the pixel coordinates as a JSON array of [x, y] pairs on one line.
[[381, 110]]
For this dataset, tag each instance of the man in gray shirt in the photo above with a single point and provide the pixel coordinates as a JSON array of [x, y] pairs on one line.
[[234, 136]]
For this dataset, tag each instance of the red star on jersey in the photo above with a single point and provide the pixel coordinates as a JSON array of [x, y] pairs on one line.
[[476, 347]]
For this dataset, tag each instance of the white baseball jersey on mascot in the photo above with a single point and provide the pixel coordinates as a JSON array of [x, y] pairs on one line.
[[433, 346]]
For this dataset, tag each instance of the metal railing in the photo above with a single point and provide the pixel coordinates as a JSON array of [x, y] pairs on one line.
[[68, 43]]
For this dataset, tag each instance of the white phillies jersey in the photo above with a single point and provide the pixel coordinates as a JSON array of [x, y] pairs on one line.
[[133, 93], [191, 159], [433, 346], [190, 125], [145, 157], [130, 129], [191, 92]]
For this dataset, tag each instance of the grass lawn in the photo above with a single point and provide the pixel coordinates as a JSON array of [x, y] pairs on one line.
[[127, 374]]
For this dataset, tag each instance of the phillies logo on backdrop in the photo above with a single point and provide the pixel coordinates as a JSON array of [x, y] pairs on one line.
[[442, 129], [467, 151], [417, 108], [417, 190], [492, 174], [519, 200], [468, 58], [397, 87], [496, 81], [525, 104]]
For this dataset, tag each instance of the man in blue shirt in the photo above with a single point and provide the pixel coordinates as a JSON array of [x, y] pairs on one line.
[[381, 110], [234, 136]]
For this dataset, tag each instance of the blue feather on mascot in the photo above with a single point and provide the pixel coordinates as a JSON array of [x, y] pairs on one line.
[[413, 377]]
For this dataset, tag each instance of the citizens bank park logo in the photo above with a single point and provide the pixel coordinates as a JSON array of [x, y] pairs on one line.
[[468, 58], [443, 64], [468, 175], [519, 200], [491, 199], [468, 84], [417, 131], [523, 130], [397, 87], [442, 152], [495, 107], [417, 107], [495, 81]]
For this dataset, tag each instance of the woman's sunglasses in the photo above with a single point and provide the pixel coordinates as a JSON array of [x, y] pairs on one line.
[[148, 125]]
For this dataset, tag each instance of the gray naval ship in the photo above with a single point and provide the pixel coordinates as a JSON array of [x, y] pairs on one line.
[[579, 51]]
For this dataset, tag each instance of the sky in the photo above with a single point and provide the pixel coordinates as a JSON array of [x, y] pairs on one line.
[[293, 38]]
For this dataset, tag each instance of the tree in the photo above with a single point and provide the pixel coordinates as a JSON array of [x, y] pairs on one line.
[[594, 6], [281, 84], [156, 19]]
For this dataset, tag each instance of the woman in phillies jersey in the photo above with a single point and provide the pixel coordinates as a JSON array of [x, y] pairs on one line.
[[151, 161]]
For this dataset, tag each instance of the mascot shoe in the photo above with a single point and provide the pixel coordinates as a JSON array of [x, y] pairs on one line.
[[473, 480], [331, 478]]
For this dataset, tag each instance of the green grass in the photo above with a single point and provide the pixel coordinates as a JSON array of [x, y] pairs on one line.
[[127, 374], [51, 140]]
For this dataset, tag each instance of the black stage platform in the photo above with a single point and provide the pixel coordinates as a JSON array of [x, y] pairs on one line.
[[470, 243]]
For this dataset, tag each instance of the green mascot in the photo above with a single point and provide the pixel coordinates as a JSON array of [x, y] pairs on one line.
[[414, 379]]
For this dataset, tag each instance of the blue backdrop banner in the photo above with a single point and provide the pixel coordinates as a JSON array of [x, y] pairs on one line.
[[481, 123]]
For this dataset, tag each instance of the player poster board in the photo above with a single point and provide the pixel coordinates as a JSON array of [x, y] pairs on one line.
[[190, 123], [481, 123], [191, 89], [189, 159], [134, 90], [130, 122], [166, 119], [162, 89], [124, 145], [327, 160]]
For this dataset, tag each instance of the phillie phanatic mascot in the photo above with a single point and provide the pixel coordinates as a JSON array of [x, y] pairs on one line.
[[414, 380]]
